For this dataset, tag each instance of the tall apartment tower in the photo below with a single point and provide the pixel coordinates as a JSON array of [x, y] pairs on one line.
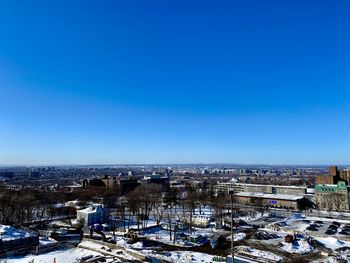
[[331, 178], [345, 175], [333, 171]]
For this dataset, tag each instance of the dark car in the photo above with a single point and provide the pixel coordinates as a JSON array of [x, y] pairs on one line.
[[334, 227], [312, 228], [315, 225], [330, 232]]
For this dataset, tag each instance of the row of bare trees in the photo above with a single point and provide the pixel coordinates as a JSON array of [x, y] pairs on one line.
[[19, 207], [144, 202]]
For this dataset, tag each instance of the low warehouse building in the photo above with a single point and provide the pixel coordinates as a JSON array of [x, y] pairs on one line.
[[273, 200]]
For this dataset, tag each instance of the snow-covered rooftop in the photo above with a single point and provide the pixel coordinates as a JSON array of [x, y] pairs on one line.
[[11, 233], [270, 196]]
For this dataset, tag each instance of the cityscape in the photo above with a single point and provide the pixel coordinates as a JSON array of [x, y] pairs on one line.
[[175, 213], [174, 131]]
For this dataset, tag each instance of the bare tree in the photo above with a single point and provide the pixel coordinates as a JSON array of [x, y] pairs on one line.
[[171, 201]]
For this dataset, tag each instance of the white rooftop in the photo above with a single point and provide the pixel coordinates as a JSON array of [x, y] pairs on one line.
[[89, 210], [11, 233], [270, 196]]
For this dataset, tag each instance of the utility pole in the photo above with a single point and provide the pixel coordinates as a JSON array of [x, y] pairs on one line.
[[231, 192]]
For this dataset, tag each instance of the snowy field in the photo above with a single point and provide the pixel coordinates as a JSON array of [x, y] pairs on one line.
[[62, 256]]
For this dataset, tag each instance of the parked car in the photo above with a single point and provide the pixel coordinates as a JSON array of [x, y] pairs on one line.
[[330, 232], [312, 228]]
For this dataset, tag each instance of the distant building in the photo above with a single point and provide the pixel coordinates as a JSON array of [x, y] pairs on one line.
[[334, 176], [127, 184], [7, 174], [34, 174], [121, 184], [273, 200], [201, 220], [161, 180], [261, 188], [92, 215], [332, 197], [345, 175]]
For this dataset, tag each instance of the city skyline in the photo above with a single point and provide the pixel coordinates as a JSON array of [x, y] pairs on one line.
[[174, 82]]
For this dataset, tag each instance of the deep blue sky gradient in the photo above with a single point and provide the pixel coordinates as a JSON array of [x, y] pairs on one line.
[[95, 82]]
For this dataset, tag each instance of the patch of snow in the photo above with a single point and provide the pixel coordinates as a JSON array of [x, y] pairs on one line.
[[138, 245]]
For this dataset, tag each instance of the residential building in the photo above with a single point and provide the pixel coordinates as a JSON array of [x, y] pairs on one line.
[[334, 176]]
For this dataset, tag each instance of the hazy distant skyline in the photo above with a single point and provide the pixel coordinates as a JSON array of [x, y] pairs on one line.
[[119, 82]]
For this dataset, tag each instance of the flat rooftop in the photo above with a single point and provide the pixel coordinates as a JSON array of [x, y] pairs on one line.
[[270, 196], [270, 185]]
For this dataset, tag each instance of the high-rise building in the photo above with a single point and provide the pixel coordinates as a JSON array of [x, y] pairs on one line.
[[333, 176], [345, 175]]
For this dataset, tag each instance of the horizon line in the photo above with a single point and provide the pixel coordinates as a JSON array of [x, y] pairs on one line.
[[170, 164]]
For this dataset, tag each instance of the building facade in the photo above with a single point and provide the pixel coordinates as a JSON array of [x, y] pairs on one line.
[[260, 188], [272, 200], [332, 197], [92, 215], [334, 176]]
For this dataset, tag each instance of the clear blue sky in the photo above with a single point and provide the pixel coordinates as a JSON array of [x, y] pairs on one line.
[[96, 82]]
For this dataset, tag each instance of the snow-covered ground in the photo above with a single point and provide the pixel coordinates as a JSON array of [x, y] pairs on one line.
[[62, 256], [182, 256], [297, 225], [186, 256], [237, 237], [94, 246], [333, 243], [302, 247], [164, 237], [248, 251]]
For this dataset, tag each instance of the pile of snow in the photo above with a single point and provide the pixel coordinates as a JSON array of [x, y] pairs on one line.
[[333, 243], [237, 237], [46, 241], [299, 247], [90, 245], [122, 242], [138, 245]]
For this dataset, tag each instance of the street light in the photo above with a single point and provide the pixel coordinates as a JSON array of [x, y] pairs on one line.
[[231, 193]]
